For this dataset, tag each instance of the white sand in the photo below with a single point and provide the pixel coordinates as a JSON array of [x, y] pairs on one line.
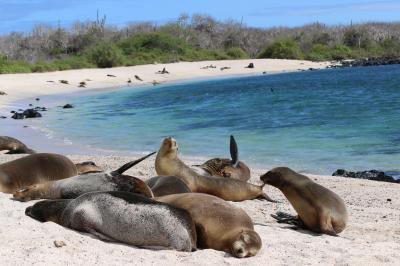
[[371, 238]]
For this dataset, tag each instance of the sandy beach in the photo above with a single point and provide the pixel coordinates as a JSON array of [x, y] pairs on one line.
[[371, 238]]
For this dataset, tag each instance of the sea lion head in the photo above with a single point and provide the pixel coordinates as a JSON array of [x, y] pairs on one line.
[[169, 148], [28, 193], [246, 244], [87, 167], [47, 210], [277, 176]]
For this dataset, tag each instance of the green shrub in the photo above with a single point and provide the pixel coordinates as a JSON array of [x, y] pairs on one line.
[[236, 53], [341, 52], [319, 52], [284, 49], [160, 43], [105, 55], [9, 67]]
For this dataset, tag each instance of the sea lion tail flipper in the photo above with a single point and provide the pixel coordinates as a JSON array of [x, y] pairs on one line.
[[234, 152], [126, 166], [264, 196]]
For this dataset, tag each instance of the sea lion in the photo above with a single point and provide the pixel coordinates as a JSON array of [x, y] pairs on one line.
[[318, 208], [219, 225], [167, 185], [13, 146], [33, 169], [168, 163], [87, 167], [75, 186], [225, 167], [123, 217]]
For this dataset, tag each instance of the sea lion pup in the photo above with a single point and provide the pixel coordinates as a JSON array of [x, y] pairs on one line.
[[168, 163], [122, 217], [87, 167], [14, 146], [167, 185], [219, 225], [33, 169], [319, 209], [75, 186], [225, 167]]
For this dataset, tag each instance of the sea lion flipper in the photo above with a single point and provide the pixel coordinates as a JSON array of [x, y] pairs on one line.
[[99, 235], [264, 196], [234, 152], [126, 166]]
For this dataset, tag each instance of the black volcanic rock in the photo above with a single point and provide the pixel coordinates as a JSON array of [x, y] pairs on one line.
[[17, 116], [374, 61], [370, 175], [31, 113], [68, 106]]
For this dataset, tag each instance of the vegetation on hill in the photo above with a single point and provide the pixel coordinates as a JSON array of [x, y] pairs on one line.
[[195, 38]]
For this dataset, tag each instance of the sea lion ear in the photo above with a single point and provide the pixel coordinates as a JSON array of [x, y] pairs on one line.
[[234, 152]]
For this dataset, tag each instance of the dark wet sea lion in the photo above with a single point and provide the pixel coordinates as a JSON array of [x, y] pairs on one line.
[[168, 163], [122, 217], [14, 146], [34, 169], [75, 186], [219, 225], [230, 168], [167, 185], [318, 208]]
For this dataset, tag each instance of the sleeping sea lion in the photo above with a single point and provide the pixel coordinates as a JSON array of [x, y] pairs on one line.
[[121, 217], [168, 163], [13, 146], [319, 209], [230, 168], [167, 185], [33, 169], [75, 186], [219, 225]]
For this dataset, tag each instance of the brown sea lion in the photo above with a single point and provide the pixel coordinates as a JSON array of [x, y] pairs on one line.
[[13, 146], [319, 209], [72, 187], [34, 169], [219, 225], [87, 167], [230, 168], [168, 163], [121, 217], [167, 185]]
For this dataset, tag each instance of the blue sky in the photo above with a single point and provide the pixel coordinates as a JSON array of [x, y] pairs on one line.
[[22, 15]]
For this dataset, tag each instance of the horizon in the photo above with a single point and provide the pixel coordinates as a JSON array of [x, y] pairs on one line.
[[23, 15]]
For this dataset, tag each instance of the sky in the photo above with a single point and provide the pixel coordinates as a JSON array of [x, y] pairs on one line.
[[22, 15]]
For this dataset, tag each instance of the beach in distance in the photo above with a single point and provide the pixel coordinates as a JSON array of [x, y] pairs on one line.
[[372, 236]]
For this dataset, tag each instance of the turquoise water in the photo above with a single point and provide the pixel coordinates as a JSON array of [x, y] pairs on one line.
[[310, 121]]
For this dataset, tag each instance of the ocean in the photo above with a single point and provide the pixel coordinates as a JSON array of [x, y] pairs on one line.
[[314, 121]]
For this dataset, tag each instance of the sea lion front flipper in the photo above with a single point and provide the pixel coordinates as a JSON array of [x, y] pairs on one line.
[[264, 196], [234, 152], [99, 235], [286, 218]]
